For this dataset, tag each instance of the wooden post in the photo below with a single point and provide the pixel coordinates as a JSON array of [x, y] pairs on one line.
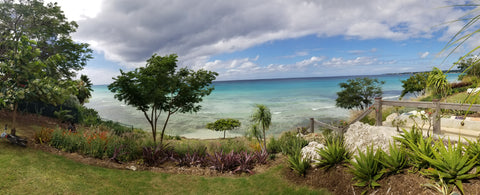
[[312, 122], [378, 111], [436, 117]]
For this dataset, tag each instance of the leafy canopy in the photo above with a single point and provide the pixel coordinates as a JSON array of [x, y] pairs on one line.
[[358, 93], [159, 87], [224, 125], [415, 84], [437, 82]]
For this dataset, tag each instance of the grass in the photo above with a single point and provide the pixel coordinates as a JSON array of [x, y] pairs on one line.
[[29, 171]]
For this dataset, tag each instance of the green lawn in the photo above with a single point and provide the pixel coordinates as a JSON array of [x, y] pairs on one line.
[[29, 171]]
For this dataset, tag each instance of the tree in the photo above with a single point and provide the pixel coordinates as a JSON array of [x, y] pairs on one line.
[[48, 26], [22, 78], [470, 66], [224, 125], [84, 86], [358, 93], [437, 82], [159, 87], [263, 117], [254, 131], [415, 84]]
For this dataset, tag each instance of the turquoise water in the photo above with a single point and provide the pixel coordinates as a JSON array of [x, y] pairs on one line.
[[291, 101]]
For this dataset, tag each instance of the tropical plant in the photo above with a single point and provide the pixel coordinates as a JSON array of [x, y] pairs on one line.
[[415, 84], [449, 163], [224, 125], [154, 156], [246, 162], [223, 162], [159, 87], [366, 168], [473, 149], [255, 132], [273, 146], [298, 164], [261, 157], [358, 93], [335, 152], [290, 144], [395, 160], [84, 86], [441, 187], [415, 144], [437, 82], [263, 117]]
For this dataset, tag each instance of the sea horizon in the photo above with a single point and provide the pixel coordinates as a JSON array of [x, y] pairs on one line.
[[292, 102]]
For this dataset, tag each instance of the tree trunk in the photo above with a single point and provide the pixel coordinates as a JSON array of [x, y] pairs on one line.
[[164, 126], [14, 120], [264, 140]]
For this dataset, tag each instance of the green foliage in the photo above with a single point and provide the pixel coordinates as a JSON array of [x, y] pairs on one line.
[[449, 163], [415, 144], [358, 93], [469, 65], [437, 82], [273, 146], [224, 125], [297, 163], [228, 145], [84, 86], [290, 143], [159, 87], [394, 161], [415, 84], [441, 187], [335, 152], [366, 168], [262, 117], [473, 149]]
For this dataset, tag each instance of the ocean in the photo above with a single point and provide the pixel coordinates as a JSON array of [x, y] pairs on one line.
[[292, 102]]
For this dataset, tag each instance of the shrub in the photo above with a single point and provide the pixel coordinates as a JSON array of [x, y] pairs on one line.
[[66, 140], [335, 152], [273, 146], [191, 159], [394, 161], [228, 145], [415, 144], [290, 143], [472, 150], [246, 162], [298, 164], [154, 156], [366, 168], [43, 136], [223, 162], [449, 164], [261, 157]]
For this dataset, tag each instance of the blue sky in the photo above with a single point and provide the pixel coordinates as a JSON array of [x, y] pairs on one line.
[[268, 39]]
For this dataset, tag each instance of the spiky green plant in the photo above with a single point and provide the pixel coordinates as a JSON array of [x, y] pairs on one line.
[[449, 162], [415, 144], [473, 149], [335, 152], [394, 161], [298, 164], [366, 168], [441, 187]]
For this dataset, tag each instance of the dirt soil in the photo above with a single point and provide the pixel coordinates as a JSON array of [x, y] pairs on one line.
[[337, 180]]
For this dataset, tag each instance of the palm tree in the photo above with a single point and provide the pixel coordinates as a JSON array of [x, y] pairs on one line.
[[263, 117], [438, 83]]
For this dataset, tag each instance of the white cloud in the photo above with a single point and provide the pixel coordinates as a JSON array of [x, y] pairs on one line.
[[100, 76], [130, 31], [424, 55], [79, 10]]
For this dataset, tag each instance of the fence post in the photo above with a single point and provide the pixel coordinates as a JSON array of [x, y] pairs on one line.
[[312, 122], [378, 111], [436, 117]]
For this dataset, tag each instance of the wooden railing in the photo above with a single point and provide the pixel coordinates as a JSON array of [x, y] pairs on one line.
[[379, 103], [435, 104]]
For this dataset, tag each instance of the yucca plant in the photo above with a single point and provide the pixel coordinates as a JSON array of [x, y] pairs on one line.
[[409, 137], [394, 161], [335, 152], [298, 164], [449, 163], [366, 168]]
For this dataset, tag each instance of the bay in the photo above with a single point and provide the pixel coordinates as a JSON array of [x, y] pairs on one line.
[[292, 102]]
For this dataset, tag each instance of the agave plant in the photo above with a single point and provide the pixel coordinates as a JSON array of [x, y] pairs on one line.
[[441, 187], [473, 149], [334, 153], [366, 168], [298, 164], [449, 163], [415, 144], [394, 161]]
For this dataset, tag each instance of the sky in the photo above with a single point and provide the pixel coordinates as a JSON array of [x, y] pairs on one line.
[[251, 39]]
